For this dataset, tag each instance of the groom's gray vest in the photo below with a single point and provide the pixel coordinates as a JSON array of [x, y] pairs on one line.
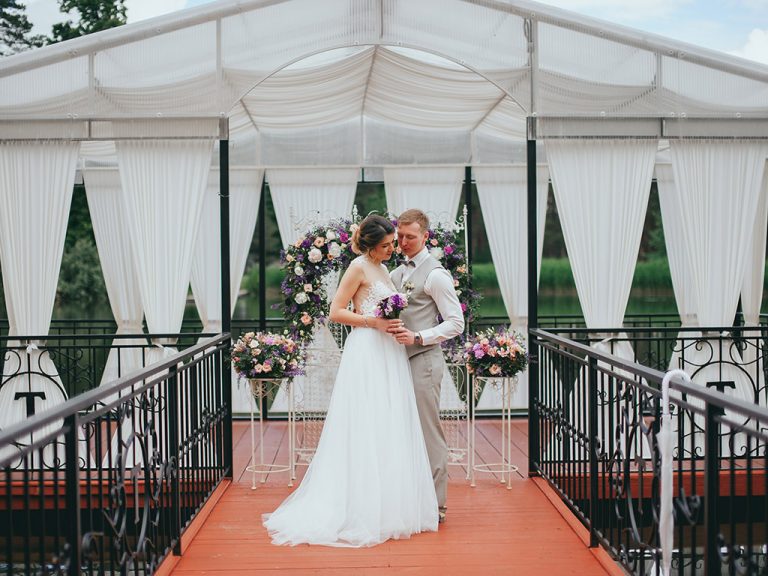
[[422, 312]]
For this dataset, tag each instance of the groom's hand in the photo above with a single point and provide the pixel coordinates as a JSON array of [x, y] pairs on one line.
[[404, 336]]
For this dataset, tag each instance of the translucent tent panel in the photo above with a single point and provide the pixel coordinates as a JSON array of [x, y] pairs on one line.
[[389, 143], [484, 37], [374, 81], [56, 90], [697, 90], [331, 144], [585, 74], [187, 84], [259, 42]]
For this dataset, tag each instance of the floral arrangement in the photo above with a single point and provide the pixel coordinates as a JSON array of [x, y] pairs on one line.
[[496, 352], [391, 306], [266, 355], [323, 249]]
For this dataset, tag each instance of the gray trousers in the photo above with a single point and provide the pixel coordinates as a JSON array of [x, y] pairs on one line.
[[427, 370]]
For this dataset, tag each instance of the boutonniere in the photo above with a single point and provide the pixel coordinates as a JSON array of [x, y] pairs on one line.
[[408, 287]]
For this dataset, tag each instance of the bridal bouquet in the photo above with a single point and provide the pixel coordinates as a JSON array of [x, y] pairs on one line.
[[266, 355], [500, 353], [391, 306]]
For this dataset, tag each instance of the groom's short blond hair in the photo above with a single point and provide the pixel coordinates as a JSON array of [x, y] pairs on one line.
[[414, 215]]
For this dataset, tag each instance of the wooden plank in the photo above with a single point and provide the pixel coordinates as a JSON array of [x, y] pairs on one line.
[[490, 530]]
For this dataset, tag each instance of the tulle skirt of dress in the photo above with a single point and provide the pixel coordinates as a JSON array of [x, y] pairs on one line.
[[370, 478]]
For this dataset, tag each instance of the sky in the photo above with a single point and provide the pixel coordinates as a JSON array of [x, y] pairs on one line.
[[737, 27]]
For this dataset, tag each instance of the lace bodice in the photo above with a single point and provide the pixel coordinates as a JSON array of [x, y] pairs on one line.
[[379, 287], [377, 291]]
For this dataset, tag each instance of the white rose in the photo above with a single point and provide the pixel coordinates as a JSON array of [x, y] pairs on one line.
[[334, 250], [436, 253], [301, 298], [330, 235], [315, 256], [298, 270]]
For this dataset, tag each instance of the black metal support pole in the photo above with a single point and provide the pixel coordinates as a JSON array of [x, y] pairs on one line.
[[262, 224], [533, 304], [712, 561], [226, 289], [468, 202], [72, 483], [263, 256], [226, 303]]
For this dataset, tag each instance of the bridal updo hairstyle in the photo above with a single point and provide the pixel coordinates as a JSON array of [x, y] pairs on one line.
[[372, 230]]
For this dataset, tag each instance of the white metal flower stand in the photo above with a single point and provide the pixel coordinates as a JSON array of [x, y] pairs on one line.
[[260, 389], [507, 387]]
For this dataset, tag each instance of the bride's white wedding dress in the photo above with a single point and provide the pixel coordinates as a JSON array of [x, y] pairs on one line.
[[370, 479]]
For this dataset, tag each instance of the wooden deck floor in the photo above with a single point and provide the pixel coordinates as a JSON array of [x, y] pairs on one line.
[[489, 530]]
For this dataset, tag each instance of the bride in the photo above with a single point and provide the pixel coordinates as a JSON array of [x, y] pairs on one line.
[[370, 479]]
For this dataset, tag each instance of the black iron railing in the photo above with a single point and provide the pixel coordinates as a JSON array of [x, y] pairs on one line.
[[107, 481], [595, 420]]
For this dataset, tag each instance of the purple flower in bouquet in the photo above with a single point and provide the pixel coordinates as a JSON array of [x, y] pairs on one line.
[[391, 306]]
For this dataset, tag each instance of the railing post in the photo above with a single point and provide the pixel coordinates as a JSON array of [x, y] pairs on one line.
[[712, 490], [173, 453], [72, 482], [593, 483]]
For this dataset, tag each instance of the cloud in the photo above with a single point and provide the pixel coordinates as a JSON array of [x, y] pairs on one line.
[[623, 11], [756, 47], [141, 9]]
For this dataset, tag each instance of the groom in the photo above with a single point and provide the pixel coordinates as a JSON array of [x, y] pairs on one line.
[[430, 292]]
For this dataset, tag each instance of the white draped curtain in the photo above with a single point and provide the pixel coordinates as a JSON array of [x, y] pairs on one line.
[[674, 239], [719, 184], [105, 204], [310, 195], [244, 198], [36, 180], [503, 193], [752, 287], [601, 188], [436, 190], [304, 197], [163, 185]]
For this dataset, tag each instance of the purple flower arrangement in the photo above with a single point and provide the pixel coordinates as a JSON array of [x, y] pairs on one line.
[[391, 306], [496, 352], [320, 251], [266, 355]]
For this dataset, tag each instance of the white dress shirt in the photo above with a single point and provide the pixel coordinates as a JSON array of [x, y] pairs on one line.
[[439, 286]]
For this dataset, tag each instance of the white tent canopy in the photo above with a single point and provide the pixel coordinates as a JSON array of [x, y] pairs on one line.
[[376, 82]]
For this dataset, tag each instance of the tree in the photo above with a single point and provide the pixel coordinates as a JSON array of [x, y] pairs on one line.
[[93, 16], [15, 29]]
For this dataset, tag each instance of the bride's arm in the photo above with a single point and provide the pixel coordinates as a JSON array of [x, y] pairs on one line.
[[349, 284]]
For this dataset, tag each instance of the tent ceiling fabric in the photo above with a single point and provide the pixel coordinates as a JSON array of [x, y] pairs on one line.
[[378, 81]]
